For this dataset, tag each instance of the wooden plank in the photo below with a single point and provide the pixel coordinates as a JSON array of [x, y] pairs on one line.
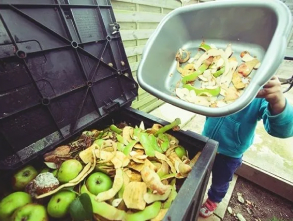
[[266, 180], [132, 59], [144, 101], [142, 41], [140, 91], [148, 8], [138, 19], [151, 106], [131, 51], [161, 3], [166, 10], [119, 5], [134, 66], [145, 95], [130, 43], [129, 16], [136, 34], [127, 26], [147, 25]]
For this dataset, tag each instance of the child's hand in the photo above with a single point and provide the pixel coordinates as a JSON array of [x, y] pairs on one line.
[[272, 92]]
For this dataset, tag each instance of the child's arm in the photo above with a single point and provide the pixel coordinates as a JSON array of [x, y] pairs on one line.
[[277, 114], [272, 92]]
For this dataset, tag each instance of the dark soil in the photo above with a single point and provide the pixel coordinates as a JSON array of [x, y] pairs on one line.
[[259, 204]]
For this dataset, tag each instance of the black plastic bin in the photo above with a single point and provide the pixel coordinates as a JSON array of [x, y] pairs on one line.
[[63, 69]]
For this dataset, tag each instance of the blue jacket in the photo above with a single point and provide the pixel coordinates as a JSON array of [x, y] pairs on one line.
[[235, 133]]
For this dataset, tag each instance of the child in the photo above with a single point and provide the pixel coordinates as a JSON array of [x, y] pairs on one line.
[[235, 134]]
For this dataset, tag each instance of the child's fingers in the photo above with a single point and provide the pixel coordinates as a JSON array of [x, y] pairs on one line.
[[274, 81], [265, 92]]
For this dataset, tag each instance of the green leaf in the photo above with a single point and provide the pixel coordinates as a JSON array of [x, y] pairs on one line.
[[71, 189], [81, 208]]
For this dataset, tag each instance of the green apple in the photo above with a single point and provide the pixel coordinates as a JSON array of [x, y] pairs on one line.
[[54, 172], [11, 202], [59, 203], [180, 151], [68, 170], [98, 182], [22, 177], [30, 212]]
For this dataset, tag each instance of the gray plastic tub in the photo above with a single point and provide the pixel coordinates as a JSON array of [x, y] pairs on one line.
[[262, 27]]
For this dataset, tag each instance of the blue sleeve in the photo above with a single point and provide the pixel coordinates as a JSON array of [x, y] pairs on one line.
[[280, 125]]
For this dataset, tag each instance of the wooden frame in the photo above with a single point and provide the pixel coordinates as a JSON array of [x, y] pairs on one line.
[[266, 180]]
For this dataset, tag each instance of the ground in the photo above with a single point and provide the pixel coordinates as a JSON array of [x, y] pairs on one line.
[[259, 204]]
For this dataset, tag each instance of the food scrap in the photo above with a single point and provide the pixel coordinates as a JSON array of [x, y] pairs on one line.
[[213, 77], [119, 173]]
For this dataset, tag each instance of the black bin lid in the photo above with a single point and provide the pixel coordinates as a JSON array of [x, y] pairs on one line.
[[62, 67]]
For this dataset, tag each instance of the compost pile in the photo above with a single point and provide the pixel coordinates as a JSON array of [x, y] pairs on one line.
[[213, 77], [119, 173]]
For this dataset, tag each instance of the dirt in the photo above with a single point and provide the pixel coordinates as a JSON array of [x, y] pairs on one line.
[[259, 204]]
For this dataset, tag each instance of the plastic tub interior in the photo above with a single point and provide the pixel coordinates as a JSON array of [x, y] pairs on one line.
[[261, 27]]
